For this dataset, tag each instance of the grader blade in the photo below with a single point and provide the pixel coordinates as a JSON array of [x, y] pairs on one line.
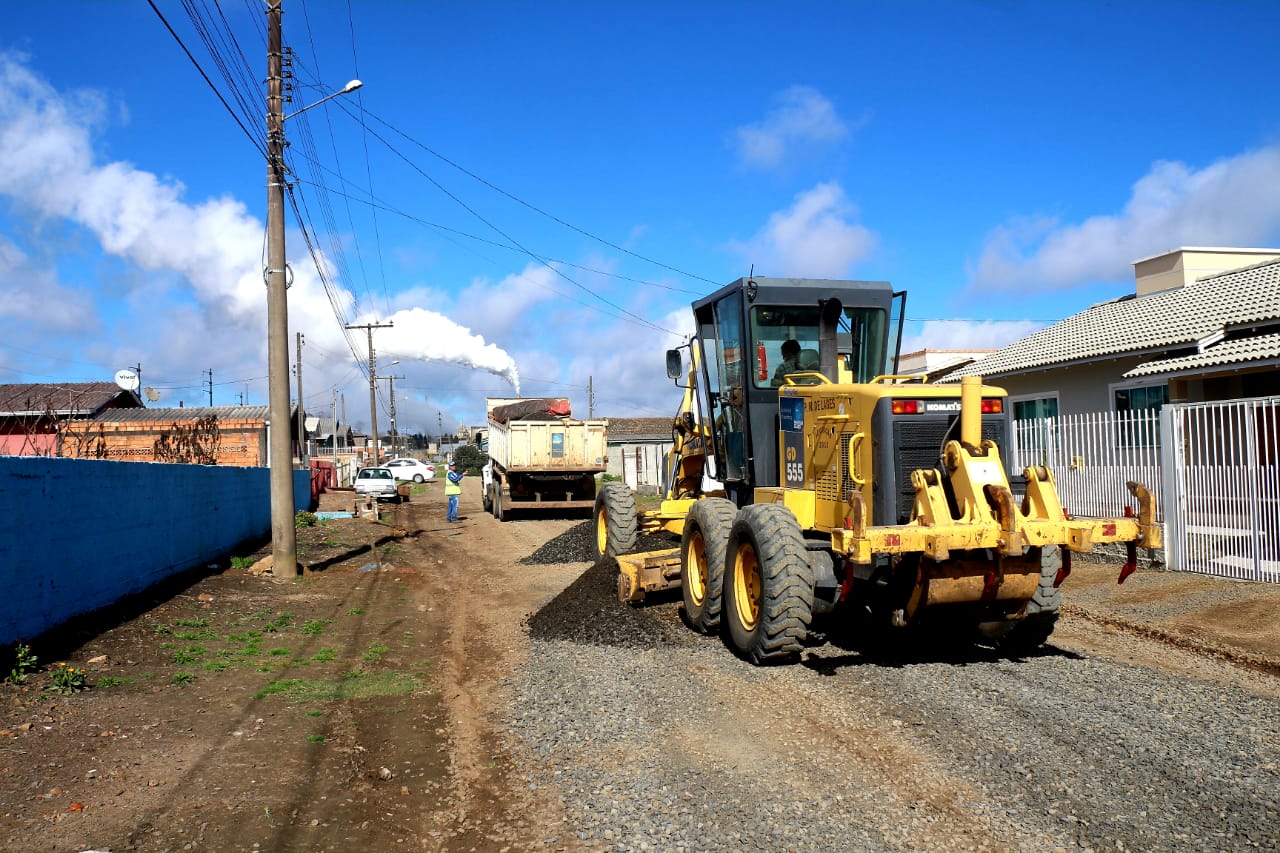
[[650, 571]]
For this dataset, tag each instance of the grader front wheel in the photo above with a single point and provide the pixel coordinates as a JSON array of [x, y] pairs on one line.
[[768, 585], [702, 561], [614, 520]]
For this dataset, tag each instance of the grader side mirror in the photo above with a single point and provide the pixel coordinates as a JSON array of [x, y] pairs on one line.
[[673, 364]]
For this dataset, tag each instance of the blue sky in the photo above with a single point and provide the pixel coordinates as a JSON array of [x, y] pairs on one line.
[[554, 182]]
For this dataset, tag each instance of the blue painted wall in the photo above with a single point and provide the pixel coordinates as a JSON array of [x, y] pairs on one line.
[[80, 534]]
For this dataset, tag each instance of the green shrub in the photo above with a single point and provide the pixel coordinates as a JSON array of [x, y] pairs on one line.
[[305, 519], [68, 679]]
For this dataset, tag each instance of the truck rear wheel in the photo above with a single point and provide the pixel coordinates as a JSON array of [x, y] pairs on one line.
[[615, 520], [497, 501], [702, 560], [1031, 631], [768, 586]]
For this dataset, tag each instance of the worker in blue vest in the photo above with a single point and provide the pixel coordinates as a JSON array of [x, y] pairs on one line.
[[453, 488]]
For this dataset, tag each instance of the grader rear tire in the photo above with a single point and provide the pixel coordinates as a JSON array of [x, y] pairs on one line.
[[614, 520], [702, 560], [768, 585], [1033, 630]]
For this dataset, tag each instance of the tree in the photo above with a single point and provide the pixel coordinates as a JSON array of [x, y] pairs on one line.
[[469, 458]]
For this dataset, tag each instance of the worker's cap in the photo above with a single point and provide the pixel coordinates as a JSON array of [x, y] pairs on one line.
[[450, 464]]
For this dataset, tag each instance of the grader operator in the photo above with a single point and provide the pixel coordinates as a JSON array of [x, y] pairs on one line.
[[846, 488]]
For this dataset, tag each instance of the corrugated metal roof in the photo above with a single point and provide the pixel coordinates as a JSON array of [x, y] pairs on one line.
[[1155, 323], [623, 428], [185, 413], [1260, 348]]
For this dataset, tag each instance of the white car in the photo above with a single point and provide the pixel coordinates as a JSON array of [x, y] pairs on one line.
[[378, 482], [411, 469]]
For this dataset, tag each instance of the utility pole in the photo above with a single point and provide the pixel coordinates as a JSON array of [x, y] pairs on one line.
[[210, 372], [591, 397], [391, 380], [284, 541], [373, 380], [302, 424], [334, 436]]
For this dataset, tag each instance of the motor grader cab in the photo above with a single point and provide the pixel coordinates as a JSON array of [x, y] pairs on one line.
[[808, 477]]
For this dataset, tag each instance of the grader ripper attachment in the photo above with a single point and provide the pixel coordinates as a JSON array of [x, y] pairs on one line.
[[838, 485]]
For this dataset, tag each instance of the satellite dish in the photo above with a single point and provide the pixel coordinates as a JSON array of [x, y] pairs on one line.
[[151, 394], [127, 379]]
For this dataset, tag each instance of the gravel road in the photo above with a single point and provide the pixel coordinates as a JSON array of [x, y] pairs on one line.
[[660, 739]]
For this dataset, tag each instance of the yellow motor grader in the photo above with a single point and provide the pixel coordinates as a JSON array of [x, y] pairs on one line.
[[808, 477]]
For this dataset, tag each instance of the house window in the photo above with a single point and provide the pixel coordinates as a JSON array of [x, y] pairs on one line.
[[1146, 398], [1035, 407], [1035, 436], [1137, 411]]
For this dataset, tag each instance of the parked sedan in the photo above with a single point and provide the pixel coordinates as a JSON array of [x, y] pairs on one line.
[[378, 482], [411, 469]]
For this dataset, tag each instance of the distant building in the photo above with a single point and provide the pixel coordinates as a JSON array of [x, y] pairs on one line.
[[638, 452], [938, 362], [31, 413], [221, 435]]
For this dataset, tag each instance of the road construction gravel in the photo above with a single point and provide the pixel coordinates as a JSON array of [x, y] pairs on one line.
[[661, 739]]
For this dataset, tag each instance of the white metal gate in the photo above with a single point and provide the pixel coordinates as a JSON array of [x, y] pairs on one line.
[[1222, 489]]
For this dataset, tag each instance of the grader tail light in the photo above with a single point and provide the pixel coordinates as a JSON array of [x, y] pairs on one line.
[[990, 406]]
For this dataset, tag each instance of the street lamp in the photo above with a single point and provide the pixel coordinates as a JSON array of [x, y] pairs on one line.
[[284, 542]]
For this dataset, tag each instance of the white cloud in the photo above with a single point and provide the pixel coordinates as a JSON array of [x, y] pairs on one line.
[[812, 238], [968, 334], [1232, 202], [48, 168], [802, 116]]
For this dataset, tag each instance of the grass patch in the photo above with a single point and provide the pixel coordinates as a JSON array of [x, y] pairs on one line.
[[192, 622], [191, 636], [324, 655], [112, 681], [280, 652], [315, 738], [315, 713], [191, 654], [182, 679], [315, 627], [216, 665], [350, 686], [356, 611], [375, 653]]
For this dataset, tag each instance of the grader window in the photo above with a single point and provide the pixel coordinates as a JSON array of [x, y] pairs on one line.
[[784, 340]]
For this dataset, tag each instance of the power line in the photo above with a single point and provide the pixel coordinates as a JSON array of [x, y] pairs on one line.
[[533, 207], [257, 143]]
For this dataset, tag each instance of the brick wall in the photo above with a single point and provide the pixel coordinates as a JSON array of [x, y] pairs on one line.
[[242, 441]]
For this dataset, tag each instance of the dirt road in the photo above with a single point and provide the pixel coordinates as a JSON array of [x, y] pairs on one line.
[[474, 686]]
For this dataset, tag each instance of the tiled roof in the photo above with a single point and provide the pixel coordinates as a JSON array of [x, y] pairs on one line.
[[624, 428], [1259, 348], [1155, 323], [63, 398], [185, 413]]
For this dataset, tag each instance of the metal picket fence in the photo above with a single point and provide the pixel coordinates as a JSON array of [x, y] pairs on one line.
[[1214, 468], [1092, 457]]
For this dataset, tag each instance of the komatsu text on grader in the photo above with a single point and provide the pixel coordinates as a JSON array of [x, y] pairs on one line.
[[807, 477]]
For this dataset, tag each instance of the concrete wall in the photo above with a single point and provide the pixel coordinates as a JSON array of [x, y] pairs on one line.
[[77, 534]]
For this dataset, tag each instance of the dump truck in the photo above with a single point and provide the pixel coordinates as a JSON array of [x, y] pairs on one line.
[[825, 483], [540, 457]]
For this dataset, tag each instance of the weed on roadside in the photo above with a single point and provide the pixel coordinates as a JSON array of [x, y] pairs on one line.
[[68, 679], [375, 653], [182, 679], [356, 611], [315, 738], [24, 661], [191, 654], [324, 655], [315, 626], [109, 681], [242, 562]]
